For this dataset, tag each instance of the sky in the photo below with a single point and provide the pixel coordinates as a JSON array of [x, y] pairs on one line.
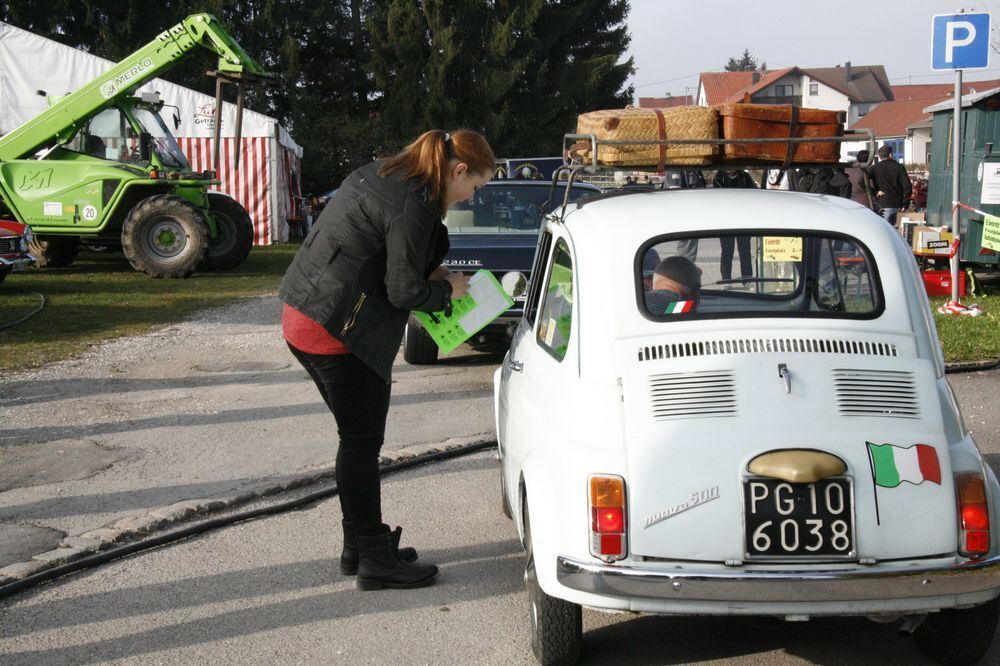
[[673, 41]]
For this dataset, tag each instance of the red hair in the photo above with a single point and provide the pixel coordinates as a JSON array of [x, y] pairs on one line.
[[426, 160]]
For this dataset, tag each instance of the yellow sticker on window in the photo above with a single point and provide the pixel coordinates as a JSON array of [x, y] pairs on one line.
[[782, 248]]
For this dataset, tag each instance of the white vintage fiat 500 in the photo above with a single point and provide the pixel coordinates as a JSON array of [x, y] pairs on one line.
[[733, 402]]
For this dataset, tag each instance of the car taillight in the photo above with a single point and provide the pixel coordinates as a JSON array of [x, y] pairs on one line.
[[973, 515], [607, 517]]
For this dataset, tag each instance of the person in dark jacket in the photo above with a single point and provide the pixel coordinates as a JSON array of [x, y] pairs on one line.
[[675, 288], [891, 184], [373, 256], [734, 178]]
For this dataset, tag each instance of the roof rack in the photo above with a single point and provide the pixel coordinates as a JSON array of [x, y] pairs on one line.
[[575, 168]]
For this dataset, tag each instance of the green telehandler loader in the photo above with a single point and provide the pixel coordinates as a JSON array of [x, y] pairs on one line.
[[100, 166]]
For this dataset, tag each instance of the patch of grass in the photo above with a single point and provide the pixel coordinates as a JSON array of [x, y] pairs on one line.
[[100, 297], [971, 338]]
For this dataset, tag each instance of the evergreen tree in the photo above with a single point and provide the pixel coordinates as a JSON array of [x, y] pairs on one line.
[[745, 63], [518, 70]]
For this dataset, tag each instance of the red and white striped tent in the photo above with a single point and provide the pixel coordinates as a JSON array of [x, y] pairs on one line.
[[267, 183]]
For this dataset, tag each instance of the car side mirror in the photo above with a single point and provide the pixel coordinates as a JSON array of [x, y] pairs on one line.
[[177, 121], [145, 147]]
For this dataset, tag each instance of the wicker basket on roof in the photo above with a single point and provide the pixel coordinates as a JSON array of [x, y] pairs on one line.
[[682, 122]]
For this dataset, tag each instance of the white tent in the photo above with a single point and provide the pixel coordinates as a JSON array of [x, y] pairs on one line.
[[267, 183]]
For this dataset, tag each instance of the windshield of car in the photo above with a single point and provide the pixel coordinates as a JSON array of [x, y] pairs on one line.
[[754, 273], [163, 141], [503, 207]]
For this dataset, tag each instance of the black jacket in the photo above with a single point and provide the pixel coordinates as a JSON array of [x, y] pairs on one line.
[[890, 178], [364, 265]]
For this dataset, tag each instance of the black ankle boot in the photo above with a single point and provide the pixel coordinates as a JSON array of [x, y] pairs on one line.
[[379, 566], [349, 556]]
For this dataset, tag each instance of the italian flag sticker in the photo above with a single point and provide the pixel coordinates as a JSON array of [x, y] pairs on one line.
[[891, 465], [679, 307]]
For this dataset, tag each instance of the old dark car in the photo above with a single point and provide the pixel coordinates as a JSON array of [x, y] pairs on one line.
[[496, 230], [14, 240]]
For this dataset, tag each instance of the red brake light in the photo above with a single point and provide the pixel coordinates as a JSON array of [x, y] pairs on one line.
[[608, 521], [606, 500], [974, 515]]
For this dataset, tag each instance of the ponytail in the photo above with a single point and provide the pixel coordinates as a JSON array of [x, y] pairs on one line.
[[426, 161]]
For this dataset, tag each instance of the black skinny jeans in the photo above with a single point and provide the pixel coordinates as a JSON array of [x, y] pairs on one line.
[[359, 400]]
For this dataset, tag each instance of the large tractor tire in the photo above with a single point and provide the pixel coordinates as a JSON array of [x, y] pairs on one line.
[[54, 251], [165, 236], [231, 246]]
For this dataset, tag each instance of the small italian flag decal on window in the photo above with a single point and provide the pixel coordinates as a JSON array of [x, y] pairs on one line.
[[679, 307], [892, 465]]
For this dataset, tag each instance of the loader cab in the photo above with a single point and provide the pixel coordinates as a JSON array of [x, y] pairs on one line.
[[131, 132]]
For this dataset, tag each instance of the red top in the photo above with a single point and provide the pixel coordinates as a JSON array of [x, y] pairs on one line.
[[308, 335]]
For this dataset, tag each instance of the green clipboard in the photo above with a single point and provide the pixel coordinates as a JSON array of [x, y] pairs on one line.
[[486, 301]]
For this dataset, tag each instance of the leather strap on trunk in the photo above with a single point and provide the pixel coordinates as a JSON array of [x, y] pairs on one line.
[[661, 125], [793, 124]]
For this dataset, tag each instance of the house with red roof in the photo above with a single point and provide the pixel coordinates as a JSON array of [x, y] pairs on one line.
[[665, 102], [853, 89], [903, 123]]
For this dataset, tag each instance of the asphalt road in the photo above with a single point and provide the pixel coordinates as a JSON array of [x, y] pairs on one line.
[[192, 411], [209, 405], [268, 592]]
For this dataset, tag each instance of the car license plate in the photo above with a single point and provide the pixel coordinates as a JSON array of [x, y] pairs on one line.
[[800, 520]]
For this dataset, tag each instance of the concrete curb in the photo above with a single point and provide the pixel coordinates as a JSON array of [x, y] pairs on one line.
[[125, 529]]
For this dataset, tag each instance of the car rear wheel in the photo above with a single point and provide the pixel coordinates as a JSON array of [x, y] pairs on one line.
[[958, 636], [54, 251], [556, 624], [419, 347]]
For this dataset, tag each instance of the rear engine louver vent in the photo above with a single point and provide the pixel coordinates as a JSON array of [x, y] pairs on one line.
[[692, 395], [764, 345], [876, 393]]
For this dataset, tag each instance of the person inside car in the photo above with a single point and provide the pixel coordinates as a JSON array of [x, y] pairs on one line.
[[676, 287]]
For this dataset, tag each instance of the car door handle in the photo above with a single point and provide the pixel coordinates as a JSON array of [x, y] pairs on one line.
[[516, 366]]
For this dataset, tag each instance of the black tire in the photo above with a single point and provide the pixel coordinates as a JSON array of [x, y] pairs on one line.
[[556, 624], [4, 272], [232, 244], [165, 236], [54, 251], [419, 347], [958, 636]]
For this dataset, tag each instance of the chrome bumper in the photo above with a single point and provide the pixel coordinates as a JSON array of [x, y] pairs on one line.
[[882, 583], [17, 264]]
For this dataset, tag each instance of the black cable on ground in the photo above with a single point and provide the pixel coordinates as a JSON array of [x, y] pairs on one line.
[[42, 300], [971, 366], [106, 556]]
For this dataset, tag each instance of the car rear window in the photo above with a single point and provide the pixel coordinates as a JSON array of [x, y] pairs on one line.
[[507, 208], [754, 273]]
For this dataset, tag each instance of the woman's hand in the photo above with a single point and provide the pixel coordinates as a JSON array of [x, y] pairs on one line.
[[459, 285], [440, 273]]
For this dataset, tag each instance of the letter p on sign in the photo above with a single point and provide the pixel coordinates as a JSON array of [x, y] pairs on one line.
[[960, 41]]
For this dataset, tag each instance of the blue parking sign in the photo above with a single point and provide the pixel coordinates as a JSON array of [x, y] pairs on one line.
[[960, 41]]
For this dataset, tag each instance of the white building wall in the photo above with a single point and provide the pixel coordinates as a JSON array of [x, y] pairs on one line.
[[918, 145], [702, 99], [826, 97]]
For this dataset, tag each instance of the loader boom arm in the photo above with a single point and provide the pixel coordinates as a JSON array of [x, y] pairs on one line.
[[62, 120]]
